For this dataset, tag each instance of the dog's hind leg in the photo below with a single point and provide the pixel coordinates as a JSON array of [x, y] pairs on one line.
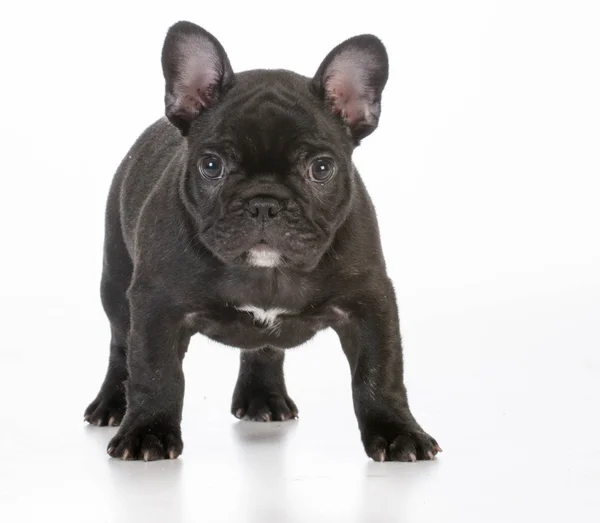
[[260, 393], [109, 406]]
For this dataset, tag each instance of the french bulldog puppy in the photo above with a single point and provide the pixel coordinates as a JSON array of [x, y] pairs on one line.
[[242, 217]]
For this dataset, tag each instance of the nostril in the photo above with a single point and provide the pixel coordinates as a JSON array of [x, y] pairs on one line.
[[263, 207]]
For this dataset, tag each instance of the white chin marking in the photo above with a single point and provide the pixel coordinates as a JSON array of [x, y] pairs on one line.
[[262, 257]]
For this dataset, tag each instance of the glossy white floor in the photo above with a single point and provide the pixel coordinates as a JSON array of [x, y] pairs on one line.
[[510, 391]]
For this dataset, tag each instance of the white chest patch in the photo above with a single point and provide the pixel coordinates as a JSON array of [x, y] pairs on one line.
[[267, 317]]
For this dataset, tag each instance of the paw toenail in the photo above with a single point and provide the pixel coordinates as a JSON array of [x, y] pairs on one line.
[[412, 456]]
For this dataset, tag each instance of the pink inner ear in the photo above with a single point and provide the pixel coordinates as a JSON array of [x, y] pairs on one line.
[[344, 101], [347, 88], [198, 90], [198, 76]]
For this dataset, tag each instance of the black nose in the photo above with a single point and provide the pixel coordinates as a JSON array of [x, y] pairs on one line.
[[263, 207]]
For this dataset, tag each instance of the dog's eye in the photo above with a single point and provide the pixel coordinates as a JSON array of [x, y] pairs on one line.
[[211, 167], [322, 169]]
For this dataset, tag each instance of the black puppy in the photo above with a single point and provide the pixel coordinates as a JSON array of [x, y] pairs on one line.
[[242, 217]]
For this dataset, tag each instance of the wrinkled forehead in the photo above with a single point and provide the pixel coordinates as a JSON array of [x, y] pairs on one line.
[[273, 114]]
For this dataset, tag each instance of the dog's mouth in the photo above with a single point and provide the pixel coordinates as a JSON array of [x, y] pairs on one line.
[[291, 245]]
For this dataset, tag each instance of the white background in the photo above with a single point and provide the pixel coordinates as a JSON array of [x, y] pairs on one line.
[[485, 173]]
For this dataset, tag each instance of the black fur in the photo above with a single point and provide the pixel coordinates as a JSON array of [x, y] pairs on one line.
[[177, 246]]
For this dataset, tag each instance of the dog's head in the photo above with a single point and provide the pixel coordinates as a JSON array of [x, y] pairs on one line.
[[269, 172]]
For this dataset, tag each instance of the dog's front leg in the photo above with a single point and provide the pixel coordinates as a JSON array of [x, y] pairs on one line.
[[370, 337], [151, 428]]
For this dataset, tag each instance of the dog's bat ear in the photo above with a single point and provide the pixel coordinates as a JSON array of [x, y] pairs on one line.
[[351, 79], [196, 70]]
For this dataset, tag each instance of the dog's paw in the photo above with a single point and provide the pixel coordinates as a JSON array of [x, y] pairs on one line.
[[399, 443], [265, 405], [148, 441], [106, 411]]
